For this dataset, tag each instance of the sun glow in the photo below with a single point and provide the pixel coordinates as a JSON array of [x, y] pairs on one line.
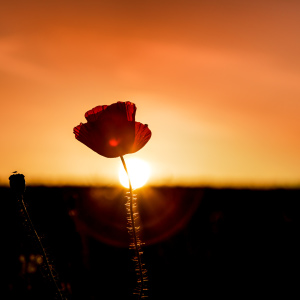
[[139, 172]]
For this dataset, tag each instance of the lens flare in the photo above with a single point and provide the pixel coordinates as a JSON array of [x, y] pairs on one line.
[[139, 172]]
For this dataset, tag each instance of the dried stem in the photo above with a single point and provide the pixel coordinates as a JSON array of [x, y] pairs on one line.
[[136, 242]]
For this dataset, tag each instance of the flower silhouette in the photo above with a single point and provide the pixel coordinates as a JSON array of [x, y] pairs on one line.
[[111, 130]]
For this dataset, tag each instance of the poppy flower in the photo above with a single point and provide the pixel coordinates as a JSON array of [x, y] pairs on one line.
[[111, 130]]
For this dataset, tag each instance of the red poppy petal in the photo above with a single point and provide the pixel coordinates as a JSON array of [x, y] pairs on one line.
[[142, 136], [121, 110], [130, 109], [93, 114], [106, 138], [83, 134], [126, 109]]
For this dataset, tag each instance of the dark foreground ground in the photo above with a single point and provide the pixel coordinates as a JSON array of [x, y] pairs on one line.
[[201, 243]]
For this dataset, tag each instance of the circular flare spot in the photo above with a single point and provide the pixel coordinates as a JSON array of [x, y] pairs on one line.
[[113, 142]]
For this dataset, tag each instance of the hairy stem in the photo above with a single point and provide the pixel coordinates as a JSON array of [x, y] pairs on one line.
[[136, 241], [48, 265]]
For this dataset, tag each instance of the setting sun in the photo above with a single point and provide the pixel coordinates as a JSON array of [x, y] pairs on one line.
[[139, 172]]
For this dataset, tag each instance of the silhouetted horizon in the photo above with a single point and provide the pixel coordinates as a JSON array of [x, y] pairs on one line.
[[199, 242]]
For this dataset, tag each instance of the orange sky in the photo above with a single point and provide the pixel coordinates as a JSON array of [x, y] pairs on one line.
[[218, 82]]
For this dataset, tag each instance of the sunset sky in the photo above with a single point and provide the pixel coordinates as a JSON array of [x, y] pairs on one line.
[[218, 83]]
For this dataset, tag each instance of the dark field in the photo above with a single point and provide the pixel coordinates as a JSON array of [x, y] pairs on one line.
[[201, 243]]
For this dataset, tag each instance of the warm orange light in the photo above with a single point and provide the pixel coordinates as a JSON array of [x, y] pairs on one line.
[[139, 172]]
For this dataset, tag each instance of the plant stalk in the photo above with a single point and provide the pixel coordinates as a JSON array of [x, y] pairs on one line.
[[136, 241], [21, 201]]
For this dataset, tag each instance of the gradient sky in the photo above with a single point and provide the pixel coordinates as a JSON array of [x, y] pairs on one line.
[[218, 82]]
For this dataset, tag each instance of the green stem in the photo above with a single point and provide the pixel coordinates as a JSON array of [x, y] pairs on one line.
[[134, 234]]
